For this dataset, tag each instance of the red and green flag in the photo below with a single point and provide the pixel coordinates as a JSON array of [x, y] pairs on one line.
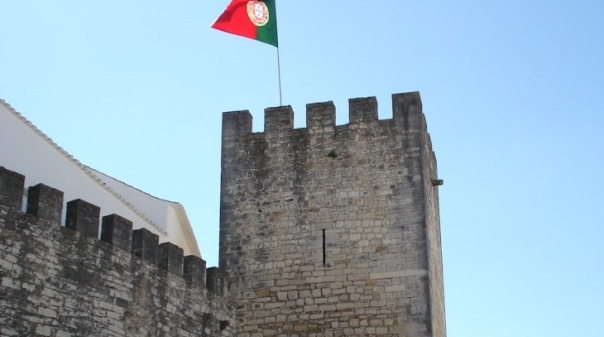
[[253, 19]]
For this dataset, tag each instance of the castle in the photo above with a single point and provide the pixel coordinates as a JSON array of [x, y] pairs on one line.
[[327, 230]]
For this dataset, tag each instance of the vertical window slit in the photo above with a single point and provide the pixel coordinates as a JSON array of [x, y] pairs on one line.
[[324, 252]]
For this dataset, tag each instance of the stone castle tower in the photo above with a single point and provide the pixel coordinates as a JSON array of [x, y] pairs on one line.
[[332, 230]]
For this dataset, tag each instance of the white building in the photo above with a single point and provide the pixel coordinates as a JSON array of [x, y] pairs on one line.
[[27, 150]]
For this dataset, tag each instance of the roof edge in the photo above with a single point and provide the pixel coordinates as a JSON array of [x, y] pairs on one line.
[[188, 230], [83, 167]]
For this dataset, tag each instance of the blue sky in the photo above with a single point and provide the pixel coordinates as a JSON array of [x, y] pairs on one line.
[[512, 92]]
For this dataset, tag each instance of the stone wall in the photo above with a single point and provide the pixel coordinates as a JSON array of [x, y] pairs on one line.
[[63, 281], [332, 230]]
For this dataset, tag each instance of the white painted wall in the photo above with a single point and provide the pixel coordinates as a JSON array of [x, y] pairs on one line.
[[26, 150], [171, 214]]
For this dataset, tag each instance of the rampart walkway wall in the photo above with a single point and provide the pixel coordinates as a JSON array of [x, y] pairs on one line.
[[63, 281]]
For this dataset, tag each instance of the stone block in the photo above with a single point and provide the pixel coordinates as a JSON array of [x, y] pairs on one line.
[[145, 245], [171, 258], [279, 118], [407, 110], [216, 281], [45, 202], [362, 109], [117, 231], [83, 217], [11, 188], [194, 270], [320, 117]]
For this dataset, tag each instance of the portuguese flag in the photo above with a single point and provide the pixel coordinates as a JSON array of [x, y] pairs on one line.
[[253, 19]]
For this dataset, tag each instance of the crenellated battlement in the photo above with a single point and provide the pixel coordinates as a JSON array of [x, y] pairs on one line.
[[96, 276], [321, 117], [45, 202]]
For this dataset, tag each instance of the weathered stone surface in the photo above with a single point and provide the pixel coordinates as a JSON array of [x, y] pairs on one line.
[[194, 270], [11, 188], [45, 202], [83, 217], [325, 231], [171, 258], [58, 282], [145, 245], [117, 231], [335, 228]]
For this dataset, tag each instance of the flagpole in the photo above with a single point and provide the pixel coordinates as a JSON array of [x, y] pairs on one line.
[[279, 74]]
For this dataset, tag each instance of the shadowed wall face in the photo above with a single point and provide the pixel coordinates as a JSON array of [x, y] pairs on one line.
[[332, 230], [63, 281]]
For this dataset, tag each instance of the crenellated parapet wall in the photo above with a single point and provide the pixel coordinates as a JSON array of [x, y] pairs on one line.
[[332, 230], [321, 118], [64, 281]]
